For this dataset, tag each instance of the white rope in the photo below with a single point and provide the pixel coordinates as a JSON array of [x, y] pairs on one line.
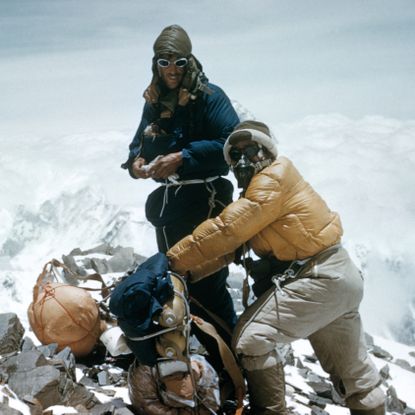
[[172, 181]]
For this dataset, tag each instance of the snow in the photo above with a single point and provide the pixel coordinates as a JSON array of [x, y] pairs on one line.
[[81, 199], [71, 101], [350, 162], [13, 401]]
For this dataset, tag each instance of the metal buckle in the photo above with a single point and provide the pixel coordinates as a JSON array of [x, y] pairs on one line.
[[279, 279]]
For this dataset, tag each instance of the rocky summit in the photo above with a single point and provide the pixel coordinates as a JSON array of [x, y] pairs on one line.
[[38, 379]]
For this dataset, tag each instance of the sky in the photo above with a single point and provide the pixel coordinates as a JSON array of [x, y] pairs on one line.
[[70, 66]]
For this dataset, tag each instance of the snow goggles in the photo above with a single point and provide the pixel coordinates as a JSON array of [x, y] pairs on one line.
[[250, 151], [165, 63]]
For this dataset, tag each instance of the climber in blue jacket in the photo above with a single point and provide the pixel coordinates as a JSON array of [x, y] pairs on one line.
[[179, 144]]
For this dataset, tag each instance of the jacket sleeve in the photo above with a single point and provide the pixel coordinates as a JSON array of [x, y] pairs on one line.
[[212, 244], [218, 122], [135, 145], [144, 395]]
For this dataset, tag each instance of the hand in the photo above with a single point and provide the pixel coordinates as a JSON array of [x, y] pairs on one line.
[[184, 97], [138, 169], [165, 166], [151, 95]]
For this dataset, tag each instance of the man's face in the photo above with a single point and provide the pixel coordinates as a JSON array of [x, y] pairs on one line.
[[248, 148], [172, 75]]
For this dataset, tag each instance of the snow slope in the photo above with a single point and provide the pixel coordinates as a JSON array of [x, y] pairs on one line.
[[62, 192]]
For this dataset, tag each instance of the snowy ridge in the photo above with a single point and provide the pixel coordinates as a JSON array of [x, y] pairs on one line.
[[69, 191]]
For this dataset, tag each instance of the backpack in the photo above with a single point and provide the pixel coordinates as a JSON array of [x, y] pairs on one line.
[[62, 313]]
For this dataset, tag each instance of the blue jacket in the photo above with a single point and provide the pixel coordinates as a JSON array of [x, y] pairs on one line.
[[199, 130]]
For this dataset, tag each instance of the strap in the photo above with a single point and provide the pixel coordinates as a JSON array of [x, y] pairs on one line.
[[228, 360], [172, 181], [105, 290], [220, 322], [299, 268], [54, 263]]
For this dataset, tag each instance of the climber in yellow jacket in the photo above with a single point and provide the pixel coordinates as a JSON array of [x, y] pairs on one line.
[[305, 282]]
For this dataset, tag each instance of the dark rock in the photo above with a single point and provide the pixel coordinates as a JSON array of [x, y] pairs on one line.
[[315, 410], [123, 411], [70, 262], [412, 354], [100, 265], [118, 379], [92, 372], [122, 260], [87, 381], [381, 353], [66, 360], [299, 363], [369, 340], [311, 358], [318, 400], [106, 392], [103, 378], [24, 362], [42, 383], [80, 395], [403, 364], [81, 409], [108, 407], [313, 377], [4, 376], [304, 372], [50, 386], [75, 252], [322, 388], [34, 405], [28, 344], [48, 350], [393, 403], [384, 372], [336, 397], [86, 263], [11, 333], [287, 353], [5, 409]]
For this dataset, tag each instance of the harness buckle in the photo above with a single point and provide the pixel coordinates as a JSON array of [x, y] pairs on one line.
[[280, 279]]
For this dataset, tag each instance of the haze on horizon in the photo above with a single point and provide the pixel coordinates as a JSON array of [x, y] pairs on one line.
[[71, 66]]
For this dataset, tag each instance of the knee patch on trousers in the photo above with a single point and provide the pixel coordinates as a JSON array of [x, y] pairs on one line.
[[260, 362]]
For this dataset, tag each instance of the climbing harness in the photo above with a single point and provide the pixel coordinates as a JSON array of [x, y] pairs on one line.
[[172, 181]]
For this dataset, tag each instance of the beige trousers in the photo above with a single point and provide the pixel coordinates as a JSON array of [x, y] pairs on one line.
[[322, 307]]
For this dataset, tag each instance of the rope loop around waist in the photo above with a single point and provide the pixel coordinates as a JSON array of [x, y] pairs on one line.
[[172, 181]]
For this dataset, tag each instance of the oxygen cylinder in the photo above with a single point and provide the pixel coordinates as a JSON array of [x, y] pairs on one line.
[[173, 344], [174, 310]]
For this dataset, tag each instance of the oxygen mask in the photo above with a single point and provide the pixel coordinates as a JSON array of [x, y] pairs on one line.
[[244, 171], [247, 161]]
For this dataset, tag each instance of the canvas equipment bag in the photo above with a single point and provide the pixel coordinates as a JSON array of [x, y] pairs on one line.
[[63, 313]]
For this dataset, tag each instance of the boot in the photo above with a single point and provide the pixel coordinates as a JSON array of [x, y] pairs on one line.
[[362, 402], [266, 389], [380, 410]]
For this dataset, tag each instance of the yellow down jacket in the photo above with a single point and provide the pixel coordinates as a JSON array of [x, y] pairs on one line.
[[280, 214]]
